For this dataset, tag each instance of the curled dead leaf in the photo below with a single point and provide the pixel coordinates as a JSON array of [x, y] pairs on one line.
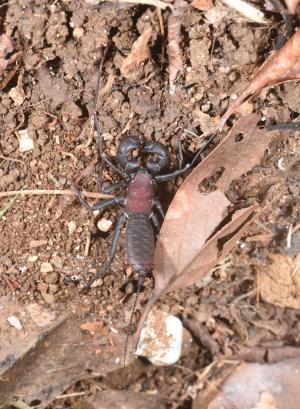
[[139, 53]]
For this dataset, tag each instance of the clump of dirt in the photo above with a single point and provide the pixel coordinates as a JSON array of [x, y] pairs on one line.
[[61, 44]]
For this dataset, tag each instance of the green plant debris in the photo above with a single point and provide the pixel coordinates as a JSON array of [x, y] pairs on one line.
[[10, 203]]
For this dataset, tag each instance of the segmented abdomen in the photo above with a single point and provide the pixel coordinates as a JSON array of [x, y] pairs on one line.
[[140, 242]]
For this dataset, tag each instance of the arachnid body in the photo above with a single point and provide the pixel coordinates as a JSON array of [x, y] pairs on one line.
[[140, 176]]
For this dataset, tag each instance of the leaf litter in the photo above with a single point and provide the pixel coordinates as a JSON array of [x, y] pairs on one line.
[[200, 210], [139, 53]]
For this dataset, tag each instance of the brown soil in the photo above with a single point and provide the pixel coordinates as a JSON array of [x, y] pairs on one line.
[[62, 43]]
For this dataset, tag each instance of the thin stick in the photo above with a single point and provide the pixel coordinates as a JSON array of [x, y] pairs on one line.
[[11, 159], [70, 395], [96, 122], [94, 195]]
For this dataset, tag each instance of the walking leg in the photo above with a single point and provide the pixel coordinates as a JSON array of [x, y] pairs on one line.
[[98, 206], [112, 252]]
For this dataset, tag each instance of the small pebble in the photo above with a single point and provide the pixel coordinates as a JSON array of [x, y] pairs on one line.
[[71, 227], [280, 164], [57, 262], [53, 288], [32, 259], [49, 298], [14, 322], [46, 268], [42, 287], [52, 278], [104, 225], [78, 32], [17, 95], [62, 180], [37, 243], [25, 141], [161, 338]]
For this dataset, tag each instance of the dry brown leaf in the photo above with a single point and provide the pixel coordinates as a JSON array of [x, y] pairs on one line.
[[282, 66], [198, 231], [139, 53], [258, 386], [173, 49], [279, 282], [292, 5], [202, 4]]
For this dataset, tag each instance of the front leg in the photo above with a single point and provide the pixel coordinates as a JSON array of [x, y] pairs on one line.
[[98, 206]]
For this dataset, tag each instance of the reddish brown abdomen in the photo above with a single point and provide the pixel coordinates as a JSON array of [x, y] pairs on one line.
[[139, 232], [140, 194]]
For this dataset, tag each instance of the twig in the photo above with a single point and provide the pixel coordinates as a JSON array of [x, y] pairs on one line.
[[11, 159], [71, 395], [155, 3], [247, 10], [93, 195]]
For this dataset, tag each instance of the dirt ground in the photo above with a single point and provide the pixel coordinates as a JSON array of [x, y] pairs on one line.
[[62, 41]]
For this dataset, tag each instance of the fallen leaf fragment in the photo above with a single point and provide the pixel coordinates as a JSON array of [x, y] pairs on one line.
[[173, 49], [292, 5], [282, 66], [94, 327], [139, 53], [199, 211], [258, 386], [279, 282], [202, 4]]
